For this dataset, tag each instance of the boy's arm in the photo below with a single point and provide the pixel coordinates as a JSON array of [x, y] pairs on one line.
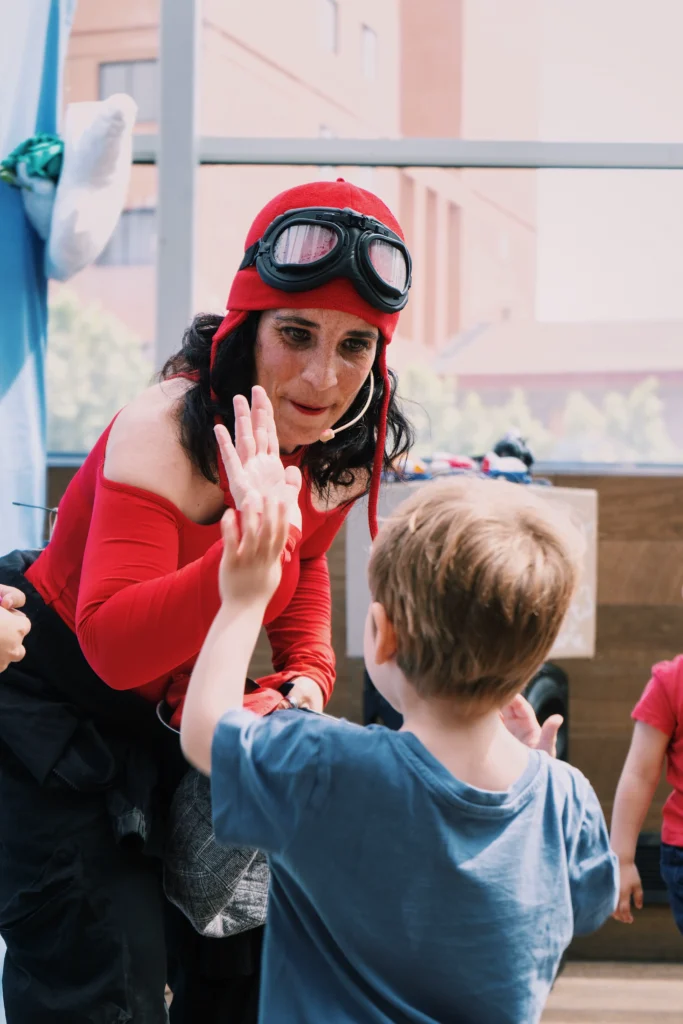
[[250, 570], [593, 869], [639, 778], [218, 679]]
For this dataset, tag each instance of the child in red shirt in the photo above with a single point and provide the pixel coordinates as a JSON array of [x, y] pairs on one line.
[[658, 734]]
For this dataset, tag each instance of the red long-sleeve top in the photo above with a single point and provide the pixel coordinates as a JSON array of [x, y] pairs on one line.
[[138, 583]]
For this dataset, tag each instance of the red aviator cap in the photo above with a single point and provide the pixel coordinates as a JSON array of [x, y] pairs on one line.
[[249, 293]]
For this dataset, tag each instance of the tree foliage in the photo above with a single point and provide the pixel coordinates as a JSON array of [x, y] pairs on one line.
[[95, 365], [617, 427]]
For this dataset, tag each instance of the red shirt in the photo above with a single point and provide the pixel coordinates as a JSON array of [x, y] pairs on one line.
[[662, 707], [137, 581]]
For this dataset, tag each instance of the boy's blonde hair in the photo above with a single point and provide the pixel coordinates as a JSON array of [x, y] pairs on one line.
[[476, 577]]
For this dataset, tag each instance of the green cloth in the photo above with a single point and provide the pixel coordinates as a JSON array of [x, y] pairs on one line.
[[42, 154]]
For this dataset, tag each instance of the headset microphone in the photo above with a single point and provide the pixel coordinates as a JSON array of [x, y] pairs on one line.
[[328, 434]]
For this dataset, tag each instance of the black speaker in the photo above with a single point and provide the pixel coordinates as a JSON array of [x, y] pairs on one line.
[[548, 694]]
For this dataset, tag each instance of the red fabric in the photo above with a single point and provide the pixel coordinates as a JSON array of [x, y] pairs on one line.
[[378, 461], [661, 706], [249, 292], [138, 583]]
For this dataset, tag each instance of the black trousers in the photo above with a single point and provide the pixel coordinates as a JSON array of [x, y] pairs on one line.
[[91, 938]]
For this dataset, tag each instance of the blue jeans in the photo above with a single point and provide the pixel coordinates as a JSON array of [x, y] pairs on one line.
[[671, 867]]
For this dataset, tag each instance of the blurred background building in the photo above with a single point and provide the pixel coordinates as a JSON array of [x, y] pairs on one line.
[[548, 300]]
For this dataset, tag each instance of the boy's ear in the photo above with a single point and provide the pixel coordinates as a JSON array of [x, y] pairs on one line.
[[384, 634]]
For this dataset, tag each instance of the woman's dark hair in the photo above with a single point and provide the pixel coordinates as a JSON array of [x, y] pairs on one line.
[[326, 465]]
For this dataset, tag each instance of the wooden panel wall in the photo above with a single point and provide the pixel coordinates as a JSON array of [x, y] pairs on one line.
[[640, 621]]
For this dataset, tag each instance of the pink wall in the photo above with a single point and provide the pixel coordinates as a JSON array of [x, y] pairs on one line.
[[265, 70]]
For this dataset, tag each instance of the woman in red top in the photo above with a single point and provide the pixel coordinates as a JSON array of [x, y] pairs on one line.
[[121, 600]]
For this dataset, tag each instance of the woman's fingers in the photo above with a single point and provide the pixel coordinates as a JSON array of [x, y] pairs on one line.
[[281, 528], [244, 433], [264, 402], [261, 439], [249, 531], [230, 457], [262, 533], [230, 533], [293, 478], [261, 411]]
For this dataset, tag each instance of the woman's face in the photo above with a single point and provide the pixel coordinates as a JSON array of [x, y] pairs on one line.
[[312, 363]]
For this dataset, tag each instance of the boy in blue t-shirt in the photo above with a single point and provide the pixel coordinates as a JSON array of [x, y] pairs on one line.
[[433, 875]]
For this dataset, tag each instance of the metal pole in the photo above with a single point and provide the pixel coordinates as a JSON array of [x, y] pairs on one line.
[[177, 163], [428, 153]]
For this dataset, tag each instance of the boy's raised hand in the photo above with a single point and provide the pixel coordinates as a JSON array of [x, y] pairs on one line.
[[251, 568], [520, 719], [253, 464]]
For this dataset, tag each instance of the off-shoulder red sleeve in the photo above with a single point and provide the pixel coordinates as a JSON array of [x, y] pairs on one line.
[[301, 637], [138, 615]]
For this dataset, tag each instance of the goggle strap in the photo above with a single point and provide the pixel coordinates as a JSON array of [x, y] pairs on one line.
[[378, 461], [250, 256]]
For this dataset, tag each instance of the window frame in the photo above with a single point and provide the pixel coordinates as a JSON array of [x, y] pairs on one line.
[[329, 16], [148, 112], [369, 53], [122, 237]]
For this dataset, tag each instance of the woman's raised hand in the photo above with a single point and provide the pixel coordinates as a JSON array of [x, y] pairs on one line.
[[253, 464]]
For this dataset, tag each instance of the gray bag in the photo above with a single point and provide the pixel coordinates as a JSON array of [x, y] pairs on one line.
[[221, 890]]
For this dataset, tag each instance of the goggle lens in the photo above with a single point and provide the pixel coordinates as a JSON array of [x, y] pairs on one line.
[[389, 263], [303, 243]]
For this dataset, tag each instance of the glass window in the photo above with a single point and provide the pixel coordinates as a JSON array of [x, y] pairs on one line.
[[369, 52], [133, 242], [101, 331], [100, 351], [431, 258], [137, 78], [330, 25], [559, 315], [543, 301]]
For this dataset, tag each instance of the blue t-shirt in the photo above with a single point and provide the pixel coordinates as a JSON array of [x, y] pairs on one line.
[[400, 895]]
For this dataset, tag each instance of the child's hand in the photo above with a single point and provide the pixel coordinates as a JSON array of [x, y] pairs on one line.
[[520, 719], [250, 568], [629, 885], [11, 598], [14, 626], [305, 693], [253, 464]]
